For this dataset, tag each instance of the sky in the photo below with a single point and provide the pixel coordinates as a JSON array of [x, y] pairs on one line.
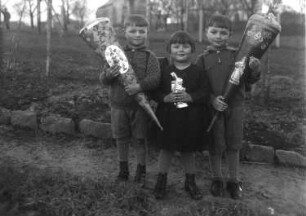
[[94, 4], [91, 4]]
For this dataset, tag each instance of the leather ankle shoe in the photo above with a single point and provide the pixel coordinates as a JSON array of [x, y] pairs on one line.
[[235, 189], [216, 188]]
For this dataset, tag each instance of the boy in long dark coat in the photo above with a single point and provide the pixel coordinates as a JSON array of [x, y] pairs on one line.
[[217, 63]]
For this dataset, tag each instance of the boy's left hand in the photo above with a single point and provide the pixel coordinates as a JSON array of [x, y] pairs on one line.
[[132, 89], [255, 64]]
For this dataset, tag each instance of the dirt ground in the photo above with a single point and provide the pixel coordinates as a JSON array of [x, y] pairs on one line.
[[268, 189]]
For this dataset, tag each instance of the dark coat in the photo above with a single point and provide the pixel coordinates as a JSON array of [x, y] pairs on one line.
[[184, 129], [218, 65]]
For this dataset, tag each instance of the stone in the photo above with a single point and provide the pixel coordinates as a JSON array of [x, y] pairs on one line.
[[24, 119], [290, 158], [56, 124], [259, 153], [96, 129], [5, 116]]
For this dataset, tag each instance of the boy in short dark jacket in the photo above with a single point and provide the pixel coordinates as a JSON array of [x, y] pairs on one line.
[[129, 120]]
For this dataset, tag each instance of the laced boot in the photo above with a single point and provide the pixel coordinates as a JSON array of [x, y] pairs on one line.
[[192, 188], [216, 188], [140, 176], [235, 189], [160, 190], [124, 171]]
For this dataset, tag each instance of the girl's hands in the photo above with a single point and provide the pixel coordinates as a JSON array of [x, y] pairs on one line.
[[183, 97], [219, 104], [178, 97], [170, 98]]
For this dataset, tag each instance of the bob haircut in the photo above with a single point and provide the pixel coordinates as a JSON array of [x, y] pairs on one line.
[[136, 20], [181, 37], [220, 21]]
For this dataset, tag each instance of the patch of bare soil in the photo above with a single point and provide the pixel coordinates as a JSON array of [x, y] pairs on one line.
[[268, 189]]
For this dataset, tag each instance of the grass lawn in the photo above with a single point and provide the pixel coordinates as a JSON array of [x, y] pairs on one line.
[[274, 115]]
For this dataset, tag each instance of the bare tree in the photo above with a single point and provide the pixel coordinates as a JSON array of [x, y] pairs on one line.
[[20, 9], [79, 10], [31, 10], [249, 6], [67, 6]]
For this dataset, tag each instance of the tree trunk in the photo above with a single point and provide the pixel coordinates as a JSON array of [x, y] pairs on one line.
[[32, 20], [38, 17], [67, 12], [49, 20], [64, 19]]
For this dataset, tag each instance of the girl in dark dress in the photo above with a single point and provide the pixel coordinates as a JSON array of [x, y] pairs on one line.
[[183, 126]]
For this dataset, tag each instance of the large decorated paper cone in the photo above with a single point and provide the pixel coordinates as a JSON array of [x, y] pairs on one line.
[[259, 33], [101, 37]]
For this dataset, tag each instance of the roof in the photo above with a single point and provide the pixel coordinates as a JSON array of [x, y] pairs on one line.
[[108, 3]]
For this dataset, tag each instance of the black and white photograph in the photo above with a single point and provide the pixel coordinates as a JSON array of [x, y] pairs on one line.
[[152, 108]]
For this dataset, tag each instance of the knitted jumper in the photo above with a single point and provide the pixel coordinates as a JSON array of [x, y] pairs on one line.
[[146, 68]]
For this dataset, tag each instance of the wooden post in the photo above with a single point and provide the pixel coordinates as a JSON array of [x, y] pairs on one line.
[[148, 11], [49, 20], [0, 14], [38, 17], [186, 15], [200, 24], [277, 39]]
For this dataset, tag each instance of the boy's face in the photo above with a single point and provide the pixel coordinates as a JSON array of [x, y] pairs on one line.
[[136, 36], [180, 52], [217, 36]]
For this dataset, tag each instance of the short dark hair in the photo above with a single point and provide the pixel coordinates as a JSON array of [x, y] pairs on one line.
[[181, 37], [136, 20], [220, 21]]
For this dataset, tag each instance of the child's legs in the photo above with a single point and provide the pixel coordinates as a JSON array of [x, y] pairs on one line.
[[165, 157], [217, 147], [123, 149], [233, 164], [188, 161], [140, 150], [121, 132], [139, 122], [234, 140]]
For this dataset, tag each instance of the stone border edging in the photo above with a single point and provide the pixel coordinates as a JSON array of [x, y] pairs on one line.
[[56, 124]]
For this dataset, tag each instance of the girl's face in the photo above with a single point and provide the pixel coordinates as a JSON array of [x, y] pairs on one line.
[[180, 52], [217, 36], [136, 36]]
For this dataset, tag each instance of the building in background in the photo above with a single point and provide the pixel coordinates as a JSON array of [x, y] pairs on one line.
[[117, 10]]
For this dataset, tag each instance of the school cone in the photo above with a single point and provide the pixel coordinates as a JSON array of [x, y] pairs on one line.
[[259, 33], [101, 37]]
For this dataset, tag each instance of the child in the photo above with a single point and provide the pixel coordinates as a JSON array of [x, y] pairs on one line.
[[183, 127], [129, 120], [217, 62]]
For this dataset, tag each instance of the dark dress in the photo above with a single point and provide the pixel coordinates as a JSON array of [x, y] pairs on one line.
[[184, 128]]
